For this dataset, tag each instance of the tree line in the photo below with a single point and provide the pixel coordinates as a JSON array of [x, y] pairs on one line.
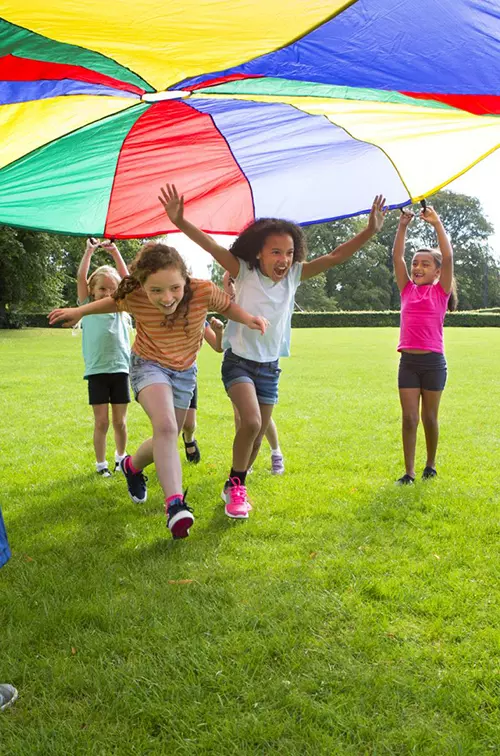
[[38, 269]]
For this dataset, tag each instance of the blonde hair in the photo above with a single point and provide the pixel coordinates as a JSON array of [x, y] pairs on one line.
[[103, 270]]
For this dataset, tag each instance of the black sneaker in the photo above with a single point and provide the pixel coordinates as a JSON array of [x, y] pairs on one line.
[[179, 517], [136, 483], [429, 472], [192, 450], [104, 473], [406, 480]]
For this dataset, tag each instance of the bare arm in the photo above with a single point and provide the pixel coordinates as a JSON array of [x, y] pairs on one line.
[[83, 271], [255, 322], [71, 315], [213, 334], [174, 207], [346, 250], [113, 250], [446, 278], [398, 250]]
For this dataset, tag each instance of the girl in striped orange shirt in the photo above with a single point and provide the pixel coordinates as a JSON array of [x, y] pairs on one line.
[[170, 310]]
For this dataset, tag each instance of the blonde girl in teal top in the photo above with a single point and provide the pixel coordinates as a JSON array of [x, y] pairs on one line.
[[106, 353]]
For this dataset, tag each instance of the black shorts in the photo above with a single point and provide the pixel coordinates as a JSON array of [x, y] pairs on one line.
[[422, 371], [194, 398], [109, 388]]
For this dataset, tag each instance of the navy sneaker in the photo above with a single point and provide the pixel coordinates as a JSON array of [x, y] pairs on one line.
[[406, 480], [179, 517], [136, 483], [429, 472]]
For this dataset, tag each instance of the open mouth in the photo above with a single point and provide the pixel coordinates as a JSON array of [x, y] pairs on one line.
[[168, 308]]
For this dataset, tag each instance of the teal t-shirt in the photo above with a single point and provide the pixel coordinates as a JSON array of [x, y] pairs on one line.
[[105, 343]]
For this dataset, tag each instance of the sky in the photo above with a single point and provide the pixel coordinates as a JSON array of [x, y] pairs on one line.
[[482, 182]]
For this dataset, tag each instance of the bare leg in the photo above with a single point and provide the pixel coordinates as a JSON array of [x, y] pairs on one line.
[[265, 413], [430, 409], [119, 416], [189, 427], [157, 401], [244, 399], [272, 434], [101, 425], [410, 399]]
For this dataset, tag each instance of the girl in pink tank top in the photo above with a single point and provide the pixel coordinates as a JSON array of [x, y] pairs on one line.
[[426, 293]]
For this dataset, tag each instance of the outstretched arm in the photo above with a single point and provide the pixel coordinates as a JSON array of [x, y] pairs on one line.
[[255, 322], [344, 251], [121, 267], [71, 315], [446, 278], [83, 270], [398, 250], [174, 207]]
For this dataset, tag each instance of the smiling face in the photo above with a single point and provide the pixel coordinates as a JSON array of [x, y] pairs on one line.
[[424, 269], [103, 286], [165, 289], [276, 256]]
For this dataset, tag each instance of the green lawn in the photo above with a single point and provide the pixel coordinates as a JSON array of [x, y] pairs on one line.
[[347, 616]]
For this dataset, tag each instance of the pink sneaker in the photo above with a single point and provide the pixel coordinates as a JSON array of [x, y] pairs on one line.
[[236, 501]]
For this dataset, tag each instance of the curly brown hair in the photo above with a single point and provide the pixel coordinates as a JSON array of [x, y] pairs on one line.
[[151, 258], [438, 259], [252, 239]]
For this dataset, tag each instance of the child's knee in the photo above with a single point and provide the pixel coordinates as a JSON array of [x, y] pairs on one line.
[[102, 425], [410, 420], [251, 425], [165, 427]]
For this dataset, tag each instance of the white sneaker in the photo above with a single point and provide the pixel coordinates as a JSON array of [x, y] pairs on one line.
[[8, 694]]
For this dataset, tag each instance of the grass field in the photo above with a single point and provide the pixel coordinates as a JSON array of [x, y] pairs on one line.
[[347, 616]]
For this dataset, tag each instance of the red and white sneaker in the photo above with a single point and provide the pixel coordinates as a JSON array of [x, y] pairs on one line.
[[234, 496]]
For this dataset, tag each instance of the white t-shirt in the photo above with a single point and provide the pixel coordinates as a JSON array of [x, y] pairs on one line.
[[260, 295]]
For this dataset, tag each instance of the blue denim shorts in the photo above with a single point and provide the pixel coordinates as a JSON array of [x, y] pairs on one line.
[[263, 375], [146, 373]]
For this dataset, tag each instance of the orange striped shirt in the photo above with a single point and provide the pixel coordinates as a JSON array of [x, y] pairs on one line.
[[173, 342]]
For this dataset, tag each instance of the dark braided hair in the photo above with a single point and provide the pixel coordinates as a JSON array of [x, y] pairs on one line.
[[252, 239], [438, 259], [151, 258]]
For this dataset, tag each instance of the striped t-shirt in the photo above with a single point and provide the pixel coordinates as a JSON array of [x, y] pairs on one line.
[[174, 341]]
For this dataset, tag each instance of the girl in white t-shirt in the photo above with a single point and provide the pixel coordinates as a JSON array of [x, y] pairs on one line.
[[267, 264]]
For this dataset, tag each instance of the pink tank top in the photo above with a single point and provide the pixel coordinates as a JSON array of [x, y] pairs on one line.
[[422, 316]]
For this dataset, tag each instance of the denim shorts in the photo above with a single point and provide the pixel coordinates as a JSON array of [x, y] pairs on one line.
[[145, 373], [422, 371], [263, 375]]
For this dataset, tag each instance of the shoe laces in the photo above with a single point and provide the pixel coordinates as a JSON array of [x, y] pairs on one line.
[[237, 492]]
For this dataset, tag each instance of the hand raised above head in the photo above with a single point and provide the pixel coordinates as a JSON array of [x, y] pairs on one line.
[[172, 203], [406, 217], [377, 214], [429, 215]]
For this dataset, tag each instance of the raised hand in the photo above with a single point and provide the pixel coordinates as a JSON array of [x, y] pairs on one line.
[[406, 217], [92, 244], [377, 214], [429, 215], [109, 246], [172, 203], [69, 315]]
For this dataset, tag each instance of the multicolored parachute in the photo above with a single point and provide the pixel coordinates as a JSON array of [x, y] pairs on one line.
[[302, 109]]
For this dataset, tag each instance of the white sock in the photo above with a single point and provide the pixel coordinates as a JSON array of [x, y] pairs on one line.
[[119, 457], [276, 452], [101, 465]]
